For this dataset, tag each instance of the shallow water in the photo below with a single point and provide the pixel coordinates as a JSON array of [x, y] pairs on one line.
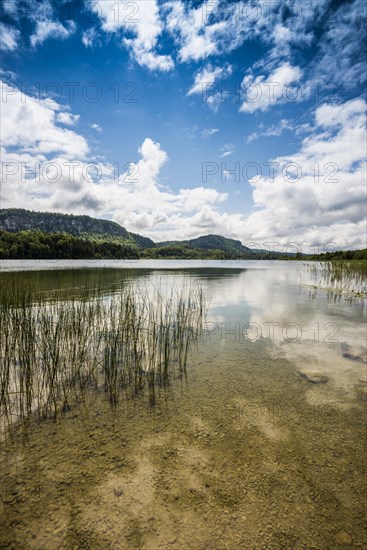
[[249, 453]]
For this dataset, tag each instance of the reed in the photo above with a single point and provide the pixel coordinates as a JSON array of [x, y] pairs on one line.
[[348, 277], [54, 350]]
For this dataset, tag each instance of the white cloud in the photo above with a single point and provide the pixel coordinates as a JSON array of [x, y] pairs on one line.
[[208, 132], [143, 20], [149, 59], [67, 118], [10, 7], [214, 101], [51, 29], [227, 150], [275, 130], [261, 92], [298, 28], [326, 201], [205, 84], [7, 75], [227, 175], [31, 124], [208, 29], [9, 37], [197, 40], [334, 115], [211, 28], [96, 127], [341, 60], [89, 37], [282, 34], [139, 202], [193, 199], [206, 77], [215, 27]]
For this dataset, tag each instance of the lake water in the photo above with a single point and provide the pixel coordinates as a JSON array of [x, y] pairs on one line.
[[263, 446]]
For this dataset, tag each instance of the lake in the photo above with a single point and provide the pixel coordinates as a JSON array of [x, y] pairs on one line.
[[261, 444]]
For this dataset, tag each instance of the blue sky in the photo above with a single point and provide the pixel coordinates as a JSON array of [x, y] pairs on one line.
[[178, 119]]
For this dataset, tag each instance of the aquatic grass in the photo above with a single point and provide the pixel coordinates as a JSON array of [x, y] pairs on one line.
[[53, 351], [341, 277]]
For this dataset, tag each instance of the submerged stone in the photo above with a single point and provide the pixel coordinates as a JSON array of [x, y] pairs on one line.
[[313, 377], [118, 492], [353, 357], [343, 538]]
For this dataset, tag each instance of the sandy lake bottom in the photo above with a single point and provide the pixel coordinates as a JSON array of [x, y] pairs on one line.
[[233, 460]]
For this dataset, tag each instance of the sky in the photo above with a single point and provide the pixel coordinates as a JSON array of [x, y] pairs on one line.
[[185, 118]]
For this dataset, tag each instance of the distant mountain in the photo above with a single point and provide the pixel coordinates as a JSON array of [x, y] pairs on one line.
[[18, 219], [26, 234], [105, 232], [211, 242]]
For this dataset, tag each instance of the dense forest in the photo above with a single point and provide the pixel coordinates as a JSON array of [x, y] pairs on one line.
[[35, 244], [40, 245], [340, 255]]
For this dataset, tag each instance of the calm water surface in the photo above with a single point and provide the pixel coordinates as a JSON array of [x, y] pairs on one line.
[[251, 302]]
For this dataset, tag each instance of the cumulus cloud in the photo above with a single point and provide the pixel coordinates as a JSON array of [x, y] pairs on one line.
[[54, 182], [318, 194], [197, 40], [43, 164], [283, 26], [141, 18], [142, 200], [214, 27], [205, 84], [262, 92], [31, 124], [67, 118]]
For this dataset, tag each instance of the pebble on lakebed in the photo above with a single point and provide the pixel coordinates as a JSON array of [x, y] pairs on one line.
[[343, 538], [313, 377]]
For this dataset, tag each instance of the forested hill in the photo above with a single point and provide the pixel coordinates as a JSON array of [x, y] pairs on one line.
[[17, 219], [25, 234], [211, 242]]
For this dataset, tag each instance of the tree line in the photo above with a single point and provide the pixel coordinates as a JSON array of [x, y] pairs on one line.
[[38, 245]]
